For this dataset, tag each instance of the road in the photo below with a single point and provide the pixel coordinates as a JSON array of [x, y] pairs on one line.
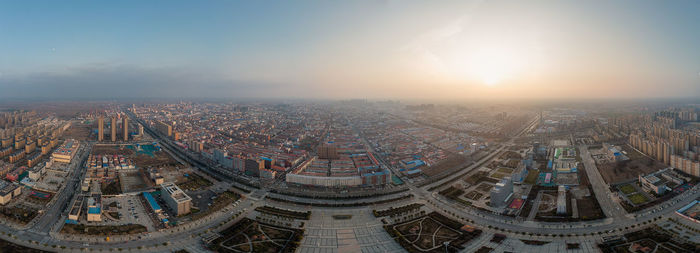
[[61, 203], [611, 208], [185, 236], [447, 180]]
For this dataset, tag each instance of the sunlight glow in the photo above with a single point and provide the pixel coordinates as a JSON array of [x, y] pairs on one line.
[[493, 66]]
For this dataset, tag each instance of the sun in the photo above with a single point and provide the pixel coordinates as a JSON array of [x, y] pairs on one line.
[[491, 77], [490, 65], [493, 66]]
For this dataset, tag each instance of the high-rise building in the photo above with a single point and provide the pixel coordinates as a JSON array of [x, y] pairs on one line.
[[100, 128], [114, 129], [125, 127], [164, 128], [501, 192], [686, 165]]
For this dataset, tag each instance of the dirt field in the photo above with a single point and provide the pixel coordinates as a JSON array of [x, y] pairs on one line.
[[445, 165], [133, 181], [111, 150], [588, 209], [548, 203], [614, 173], [159, 159], [141, 160], [79, 132], [194, 182]]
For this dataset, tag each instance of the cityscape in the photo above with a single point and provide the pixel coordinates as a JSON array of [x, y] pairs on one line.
[[361, 126]]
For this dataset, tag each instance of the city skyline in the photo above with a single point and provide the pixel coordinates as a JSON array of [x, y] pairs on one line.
[[329, 50], [349, 126]]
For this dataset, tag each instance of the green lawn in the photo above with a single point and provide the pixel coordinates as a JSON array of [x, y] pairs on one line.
[[637, 198], [498, 175], [627, 189], [532, 177], [505, 170]]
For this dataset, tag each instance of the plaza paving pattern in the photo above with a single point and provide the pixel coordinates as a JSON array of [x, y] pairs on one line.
[[362, 233]]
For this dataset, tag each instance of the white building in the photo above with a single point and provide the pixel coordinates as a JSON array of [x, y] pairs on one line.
[[658, 182], [501, 192], [561, 200], [323, 180], [176, 199]]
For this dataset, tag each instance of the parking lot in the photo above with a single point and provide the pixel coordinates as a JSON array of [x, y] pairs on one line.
[[130, 212]]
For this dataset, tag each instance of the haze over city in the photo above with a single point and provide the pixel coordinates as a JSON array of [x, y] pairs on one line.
[[373, 126], [353, 49]]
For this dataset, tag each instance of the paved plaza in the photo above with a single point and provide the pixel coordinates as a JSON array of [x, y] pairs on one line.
[[516, 245], [361, 233]]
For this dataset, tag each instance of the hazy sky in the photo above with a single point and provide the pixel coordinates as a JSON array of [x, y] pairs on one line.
[[350, 49]]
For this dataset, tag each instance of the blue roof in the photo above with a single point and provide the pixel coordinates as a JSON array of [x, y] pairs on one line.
[[688, 206], [415, 164], [379, 173], [371, 167], [413, 171], [94, 210], [151, 201]]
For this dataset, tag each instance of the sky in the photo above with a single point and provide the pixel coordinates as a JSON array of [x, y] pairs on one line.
[[350, 49]]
